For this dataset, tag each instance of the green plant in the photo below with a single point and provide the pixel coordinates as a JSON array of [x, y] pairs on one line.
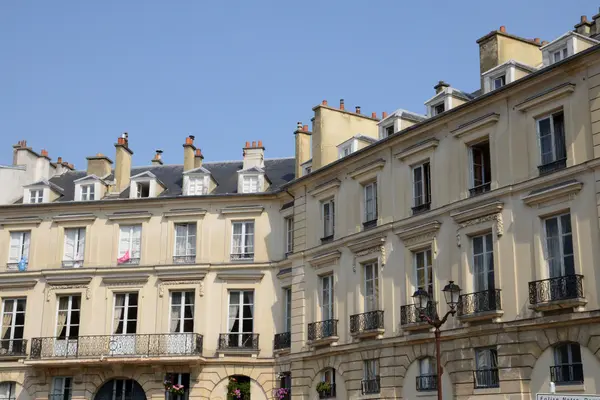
[[323, 387], [237, 390]]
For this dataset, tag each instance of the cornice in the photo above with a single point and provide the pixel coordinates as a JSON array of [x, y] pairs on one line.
[[20, 221], [544, 195], [546, 96], [325, 188], [83, 217], [428, 228], [325, 259], [477, 212], [122, 279], [242, 210], [367, 169], [68, 280], [129, 215], [365, 244], [427, 145], [185, 212], [17, 282], [240, 276], [476, 124]]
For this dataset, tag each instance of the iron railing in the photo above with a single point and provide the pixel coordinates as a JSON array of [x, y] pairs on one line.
[[478, 302], [238, 341], [426, 383], [59, 396], [327, 239], [567, 374], [131, 261], [421, 208], [409, 314], [282, 341], [368, 321], [553, 289], [328, 394], [477, 190], [486, 378], [370, 386], [242, 257], [127, 345], [189, 259], [322, 329], [552, 166], [13, 347], [370, 224]]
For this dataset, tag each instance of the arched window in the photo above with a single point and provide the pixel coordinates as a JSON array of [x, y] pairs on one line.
[[568, 368], [7, 391], [326, 387], [427, 378]]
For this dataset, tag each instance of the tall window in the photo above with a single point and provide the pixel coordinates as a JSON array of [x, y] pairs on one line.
[[370, 202], [481, 172], [196, 186], [250, 184], [178, 379], [421, 187], [125, 313], [13, 322], [559, 246], [241, 318], [483, 262], [61, 388], [371, 287], [87, 192], [242, 244], [551, 133], [370, 382], [486, 362], [328, 208], [185, 243], [289, 235], [67, 322], [7, 391], [326, 297], [74, 247], [182, 312], [427, 379], [424, 271], [36, 196], [569, 367], [130, 244], [288, 309], [19, 249]]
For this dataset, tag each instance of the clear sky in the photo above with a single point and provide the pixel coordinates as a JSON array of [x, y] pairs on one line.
[[76, 74]]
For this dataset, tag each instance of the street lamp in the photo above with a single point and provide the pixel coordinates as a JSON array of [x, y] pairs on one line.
[[422, 303]]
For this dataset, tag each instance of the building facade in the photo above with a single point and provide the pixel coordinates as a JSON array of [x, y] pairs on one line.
[[298, 273]]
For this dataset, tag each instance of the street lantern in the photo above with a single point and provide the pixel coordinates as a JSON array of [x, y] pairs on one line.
[[421, 299], [452, 295]]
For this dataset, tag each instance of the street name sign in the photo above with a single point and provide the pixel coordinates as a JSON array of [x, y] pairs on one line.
[[544, 396]]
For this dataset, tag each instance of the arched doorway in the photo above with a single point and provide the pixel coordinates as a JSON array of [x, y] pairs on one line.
[[120, 389]]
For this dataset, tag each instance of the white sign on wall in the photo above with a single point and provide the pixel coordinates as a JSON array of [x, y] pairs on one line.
[[542, 396]]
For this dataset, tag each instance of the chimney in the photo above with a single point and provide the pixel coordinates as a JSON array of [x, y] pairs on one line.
[[123, 165], [374, 115], [596, 24], [254, 155], [188, 153], [59, 168], [302, 136], [503, 29], [537, 40], [324, 102], [441, 86], [341, 104], [98, 165], [384, 115], [157, 160], [584, 27], [358, 109], [198, 157]]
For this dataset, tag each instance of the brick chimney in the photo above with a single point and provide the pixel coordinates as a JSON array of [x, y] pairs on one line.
[[584, 27], [188, 153], [99, 165], [123, 165], [157, 160], [198, 157], [254, 155]]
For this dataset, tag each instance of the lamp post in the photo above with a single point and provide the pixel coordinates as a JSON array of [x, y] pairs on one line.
[[422, 301]]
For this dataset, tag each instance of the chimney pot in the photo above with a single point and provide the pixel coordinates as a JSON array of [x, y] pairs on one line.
[[341, 104], [305, 128], [383, 115], [59, 160], [324, 102], [71, 166], [358, 109], [44, 153], [373, 115], [584, 18], [260, 143], [253, 144], [503, 29], [298, 125], [537, 40], [198, 153], [192, 137], [544, 42], [247, 145]]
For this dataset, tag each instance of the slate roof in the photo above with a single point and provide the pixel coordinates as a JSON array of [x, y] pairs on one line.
[[279, 171]]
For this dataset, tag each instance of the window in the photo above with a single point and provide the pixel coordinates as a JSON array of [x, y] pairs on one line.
[[345, 150], [551, 133], [74, 247], [421, 187], [437, 109], [182, 312], [307, 170], [498, 82], [250, 184], [143, 189], [13, 322], [328, 376], [288, 309], [242, 246], [370, 382], [289, 235], [427, 366], [326, 297], [568, 368], [285, 382], [87, 192], [371, 287], [7, 391], [328, 219], [427, 379], [130, 244], [424, 271], [560, 55], [370, 205], [61, 388], [559, 246], [67, 326], [178, 379], [389, 130], [19, 250], [486, 374], [36, 196], [481, 173], [196, 186], [241, 319], [185, 244], [125, 313], [483, 262]]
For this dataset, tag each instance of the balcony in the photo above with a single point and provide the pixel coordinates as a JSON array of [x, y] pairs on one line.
[[410, 318], [323, 332], [133, 346], [486, 378], [238, 343], [282, 341], [370, 224], [426, 383], [421, 208], [129, 261], [555, 293], [480, 305], [552, 167], [567, 374], [327, 239], [367, 324], [189, 259], [242, 257], [481, 189], [370, 386], [13, 348], [72, 263], [328, 394]]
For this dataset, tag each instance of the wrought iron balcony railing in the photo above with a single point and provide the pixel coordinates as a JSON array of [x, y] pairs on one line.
[[370, 224], [368, 321], [128, 345], [328, 394], [238, 341], [327, 239], [370, 386], [561, 288], [426, 383], [131, 261], [421, 208], [282, 341], [13, 348], [477, 190], [568, 374], [409, 314], [322, 329], [552, 166], [486, 378], [242, 257], [478, 302], [189, 259]]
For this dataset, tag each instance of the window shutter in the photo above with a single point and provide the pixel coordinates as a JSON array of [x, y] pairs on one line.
[[81, 244], [191, 239], [136, 246], [70, 244], [15, 247], [124, 241], [26, 237]]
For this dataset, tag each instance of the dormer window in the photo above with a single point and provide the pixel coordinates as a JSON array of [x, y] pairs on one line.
[[389, 130], [142, 190], [560, 55], [41, 192], [89, 188], [145, 185], [345, 150], [36, 196], [250, 184], [437, 109], [499, 82], [196, 186], [198, 182], [87, 192]]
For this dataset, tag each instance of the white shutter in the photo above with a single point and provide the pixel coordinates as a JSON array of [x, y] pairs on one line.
[[81, 245], [124, 240], [26, 236], [15, 247], [70, 238], [136, 243]]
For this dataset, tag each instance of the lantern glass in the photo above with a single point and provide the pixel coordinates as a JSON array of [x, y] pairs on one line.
[[421, 299], [452, 294]]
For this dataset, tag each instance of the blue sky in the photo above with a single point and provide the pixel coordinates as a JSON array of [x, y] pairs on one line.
[[75, 74]]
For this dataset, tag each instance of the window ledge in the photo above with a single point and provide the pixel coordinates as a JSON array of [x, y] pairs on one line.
[[368, 171], [325, 259], [323, 341], [481, 316], [576, 387], [546, 96], [549, 193], [559, 304], [476, 124], [326, 189], [416, 326], [377, 333]]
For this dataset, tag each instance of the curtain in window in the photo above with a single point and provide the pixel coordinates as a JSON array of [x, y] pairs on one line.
[[559, 136], [180, 239], [249, 237], [234, 312], [6, 324], [553, 248], [237, 238], [70, 238], [80, 244], [118, 314]]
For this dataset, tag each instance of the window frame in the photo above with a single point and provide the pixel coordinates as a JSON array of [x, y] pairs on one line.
[[289, 234], [288, 309], [345, 150], [241, 317], [68, 325], [425, 192], [244, 235], [66, 388], [12, 328], [125, 318], [184, 296], [24, 246], [434, 108], [88, 191], [79, 243], [370, 215], [130, 248], [485, 255], [486, 170], [329, 223], [553, 137], [561, 238], [36, 196], [190, 253], [329, 308], [371, 276], [248, 182], [494, 80], [372, 362], [428, 286]]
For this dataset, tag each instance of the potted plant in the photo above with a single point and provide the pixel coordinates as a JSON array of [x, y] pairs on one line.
[[173, 389], [237, 390], [324, 388], [281, 393]]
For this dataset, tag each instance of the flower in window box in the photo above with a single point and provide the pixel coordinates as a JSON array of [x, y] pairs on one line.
[[177, 389], [324, 387], [281, 393]]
